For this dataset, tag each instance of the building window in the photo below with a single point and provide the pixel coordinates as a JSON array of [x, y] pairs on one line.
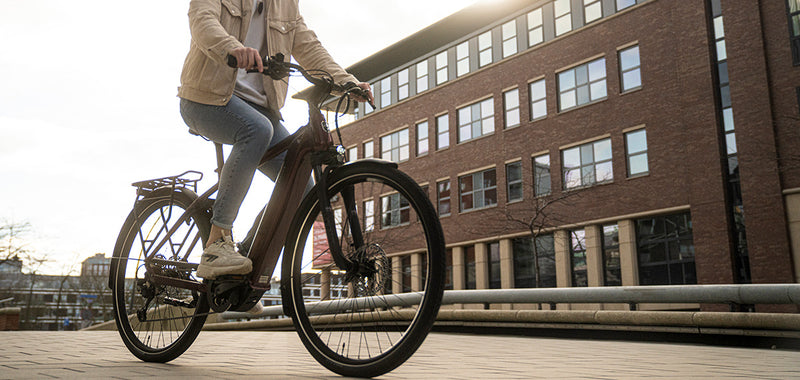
[[493, 249], [582, 84], [577, 249], [538, 100], [386, 92], [534, 263], [563, 16], [469, 267], [612, 275], [448, 269], [369, 215], [511, 106], [794, 24], [541, 175], [509, 31], [402, 84], [636, 151], [368, 110], [395, 211], [422, 138], [405, 264], [442, 132], [476, 120], [443, 197], [592, 10], [666, 250], [422, 76], [719, 39], [369, 149], [587, 164], [394, 147], [441, 68], [630, 70], [462, 58], [485, 49], [622, 4], [535, 27], [478, 190], [352, 154], [514, 181]]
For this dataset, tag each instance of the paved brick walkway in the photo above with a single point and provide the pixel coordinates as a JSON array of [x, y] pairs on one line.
[[101, 354]]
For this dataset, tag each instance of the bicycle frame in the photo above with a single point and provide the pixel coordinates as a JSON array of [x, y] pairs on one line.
[[306, 151]]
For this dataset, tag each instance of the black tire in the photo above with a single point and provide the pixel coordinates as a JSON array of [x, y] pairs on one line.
[[386, 328], [169, 329]]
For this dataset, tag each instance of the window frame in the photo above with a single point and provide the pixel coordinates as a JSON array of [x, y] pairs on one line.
[[386, 92], [516, 182], [584, 163], [535, 20], [577, 252], [535, 99], [462, 59], [369, 152], [540, 172], [509, 41], [514, 109], [444, 200], [422, 76], [483, 48], [392, 212], [587, 4], [563, 16], [403, 84], [630, 155], [422, 140], [623, 70], [398, 148], [480, 123], [476, 193], [442, 67], [442, 134], [576, 83]]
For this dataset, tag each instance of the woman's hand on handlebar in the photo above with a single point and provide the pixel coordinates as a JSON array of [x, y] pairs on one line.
[[248, 58], [365, 96]]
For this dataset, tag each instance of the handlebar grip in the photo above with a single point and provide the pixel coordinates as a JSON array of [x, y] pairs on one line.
[[232, 62]]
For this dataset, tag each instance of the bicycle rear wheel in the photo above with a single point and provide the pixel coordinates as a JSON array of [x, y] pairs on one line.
[[159, 322], [366, 322]]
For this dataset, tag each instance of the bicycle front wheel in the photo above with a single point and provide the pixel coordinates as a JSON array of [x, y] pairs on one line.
[[366, 321], [159, 322]]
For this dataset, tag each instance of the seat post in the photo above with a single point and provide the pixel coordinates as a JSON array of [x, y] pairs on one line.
[[220, 159]]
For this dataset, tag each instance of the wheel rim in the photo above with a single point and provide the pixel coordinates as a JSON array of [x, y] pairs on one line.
[[170, 311], [362, 323]]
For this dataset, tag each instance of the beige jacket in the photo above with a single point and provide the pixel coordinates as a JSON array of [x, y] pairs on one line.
[[219, 26]]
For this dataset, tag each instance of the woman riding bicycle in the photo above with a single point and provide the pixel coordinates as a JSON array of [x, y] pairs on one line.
[[232, 106]]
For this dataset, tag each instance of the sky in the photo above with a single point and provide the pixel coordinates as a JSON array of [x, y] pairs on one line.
[[88, 105]]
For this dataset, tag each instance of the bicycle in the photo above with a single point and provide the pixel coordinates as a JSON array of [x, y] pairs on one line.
[[362, 328]]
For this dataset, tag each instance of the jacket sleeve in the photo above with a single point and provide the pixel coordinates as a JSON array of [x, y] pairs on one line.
[[310, 53], [207, 31]]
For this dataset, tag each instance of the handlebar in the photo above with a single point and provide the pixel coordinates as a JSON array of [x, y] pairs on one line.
[[277, 68]]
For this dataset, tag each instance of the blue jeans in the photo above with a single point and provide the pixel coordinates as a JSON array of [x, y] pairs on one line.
[[251, 130]]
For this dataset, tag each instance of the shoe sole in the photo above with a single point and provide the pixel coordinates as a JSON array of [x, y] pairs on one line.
[[210, 273]]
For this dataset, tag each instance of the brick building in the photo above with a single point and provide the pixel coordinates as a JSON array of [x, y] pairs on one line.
[[598, 142]]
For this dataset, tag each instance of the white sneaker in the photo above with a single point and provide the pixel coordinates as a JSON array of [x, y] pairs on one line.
[[257, 309], [220, 258]]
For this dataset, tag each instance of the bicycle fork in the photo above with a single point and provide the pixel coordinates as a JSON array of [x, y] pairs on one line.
[[350, 213]]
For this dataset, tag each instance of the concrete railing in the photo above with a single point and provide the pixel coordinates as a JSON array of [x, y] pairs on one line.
[[704, 294]]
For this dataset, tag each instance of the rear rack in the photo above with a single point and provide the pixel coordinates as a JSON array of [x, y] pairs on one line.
[[187, 180]]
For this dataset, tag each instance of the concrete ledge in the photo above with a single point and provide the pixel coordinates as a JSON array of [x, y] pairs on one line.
[[10, 310]]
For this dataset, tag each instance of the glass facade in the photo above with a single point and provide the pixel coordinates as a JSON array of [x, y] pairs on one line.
[[665, 249]]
